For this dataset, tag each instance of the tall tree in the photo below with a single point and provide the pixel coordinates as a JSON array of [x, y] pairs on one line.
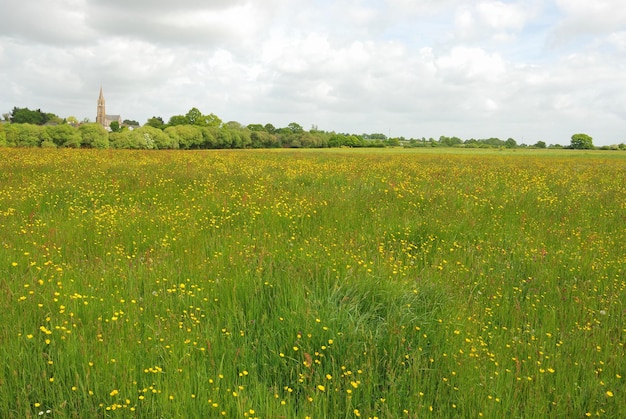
[[581, 142], [156, 122], [26, 116], [295, 128], [194, 117]]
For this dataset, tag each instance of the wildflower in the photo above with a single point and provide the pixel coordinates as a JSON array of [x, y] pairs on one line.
[[321, 387], [609, 393]]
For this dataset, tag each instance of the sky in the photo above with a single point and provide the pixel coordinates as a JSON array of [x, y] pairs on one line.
[[532, 70]]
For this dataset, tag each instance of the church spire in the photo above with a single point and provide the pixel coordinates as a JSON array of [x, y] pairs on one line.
[[101, 115]]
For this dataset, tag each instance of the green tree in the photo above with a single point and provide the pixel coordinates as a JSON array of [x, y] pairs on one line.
[[353, 141], [64, 135], [24, 135], [156, 122], [119, 139], [336, 140], [148, 138], [393, 142], [93, 136], [176, 120], [54, 119], [115, 126], [581, 142], [295, 128], [209, 137], [256, 127], [540, 144], [194, 117], [510, 143], [26, 116], [160, 139], [186, 136], [212, 120]]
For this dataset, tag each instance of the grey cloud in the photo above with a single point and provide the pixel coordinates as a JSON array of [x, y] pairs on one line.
[[45, 22]]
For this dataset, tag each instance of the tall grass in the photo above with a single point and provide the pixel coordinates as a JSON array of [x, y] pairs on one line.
[[295, 284]]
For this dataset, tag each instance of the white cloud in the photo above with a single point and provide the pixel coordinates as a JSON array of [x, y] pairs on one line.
[[618, 40], [413, 68], [581, 17], [503, 16], [464, 64], [494, 20]]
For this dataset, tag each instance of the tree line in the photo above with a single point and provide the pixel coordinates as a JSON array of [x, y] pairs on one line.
[[194, 130]]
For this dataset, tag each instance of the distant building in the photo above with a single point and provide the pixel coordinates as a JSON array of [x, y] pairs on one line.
[[102, 118]]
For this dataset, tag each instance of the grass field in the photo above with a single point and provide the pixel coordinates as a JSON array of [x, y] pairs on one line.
[[319, 284]]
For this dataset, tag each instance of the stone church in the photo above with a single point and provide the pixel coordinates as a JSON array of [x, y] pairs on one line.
[[102, 118]]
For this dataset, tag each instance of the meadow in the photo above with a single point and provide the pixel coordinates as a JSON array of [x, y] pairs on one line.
[[312, 283]]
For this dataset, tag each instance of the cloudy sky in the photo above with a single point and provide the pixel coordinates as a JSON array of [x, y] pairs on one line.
[[528, 69]]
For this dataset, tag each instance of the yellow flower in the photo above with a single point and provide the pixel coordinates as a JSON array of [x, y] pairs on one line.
[[609, 393], [321, 387]]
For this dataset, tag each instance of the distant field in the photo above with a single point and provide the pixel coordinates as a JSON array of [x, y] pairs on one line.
[[313, 283]]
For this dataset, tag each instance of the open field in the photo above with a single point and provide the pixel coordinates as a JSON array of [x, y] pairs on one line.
[[312, 283]]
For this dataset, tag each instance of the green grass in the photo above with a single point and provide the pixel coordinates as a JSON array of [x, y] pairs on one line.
[[312, 283]]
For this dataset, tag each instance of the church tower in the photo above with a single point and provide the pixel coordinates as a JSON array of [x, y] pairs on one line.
[[101, 116]]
